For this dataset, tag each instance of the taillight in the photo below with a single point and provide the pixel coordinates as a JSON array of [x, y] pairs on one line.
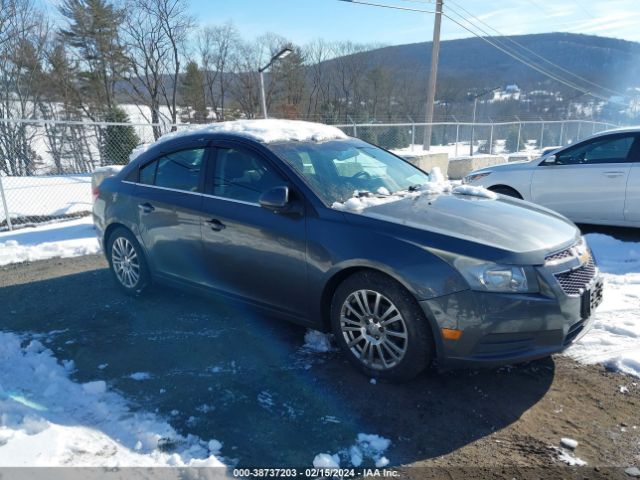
[[95, 192]]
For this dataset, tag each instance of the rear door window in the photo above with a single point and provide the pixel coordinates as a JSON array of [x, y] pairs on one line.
[[177, 171], [148, 173], [180, 170]]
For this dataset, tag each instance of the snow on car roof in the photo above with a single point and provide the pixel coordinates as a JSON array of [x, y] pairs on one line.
[[265, 131]]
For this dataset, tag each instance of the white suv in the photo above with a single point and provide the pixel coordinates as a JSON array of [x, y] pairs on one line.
[[594, 181]]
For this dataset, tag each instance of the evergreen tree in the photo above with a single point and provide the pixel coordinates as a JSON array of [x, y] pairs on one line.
[[394, 137], [368, 134], [118, 141], [93, 36], [193, 93]]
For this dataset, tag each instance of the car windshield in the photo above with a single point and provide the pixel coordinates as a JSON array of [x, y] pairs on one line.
[[340, 169]]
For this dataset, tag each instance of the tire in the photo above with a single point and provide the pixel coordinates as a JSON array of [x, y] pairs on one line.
[[508, 191], [413, 354], [127, 262]]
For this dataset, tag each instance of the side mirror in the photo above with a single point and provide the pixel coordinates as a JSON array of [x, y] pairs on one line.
[[276, 199], [551, 160]]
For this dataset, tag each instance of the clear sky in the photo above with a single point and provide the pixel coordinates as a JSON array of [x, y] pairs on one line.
[[303, 20]]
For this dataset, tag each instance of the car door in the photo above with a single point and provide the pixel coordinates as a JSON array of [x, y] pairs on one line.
[[587, 182], [251, 251], [169, 198]]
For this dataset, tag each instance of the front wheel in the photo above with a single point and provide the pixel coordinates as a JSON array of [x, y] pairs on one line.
[[127, 262], [504, 190], [380, 327]]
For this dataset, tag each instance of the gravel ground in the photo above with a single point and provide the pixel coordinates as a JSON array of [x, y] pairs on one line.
[[219, 370]]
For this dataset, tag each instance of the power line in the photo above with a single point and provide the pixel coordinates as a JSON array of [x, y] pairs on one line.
[[584, 9], [537, 5], [511, 40], [498, 46], [393, 7], [535, 67]]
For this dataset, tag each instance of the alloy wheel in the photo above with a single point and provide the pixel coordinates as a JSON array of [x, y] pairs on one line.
[[374, 329], [125, 262]]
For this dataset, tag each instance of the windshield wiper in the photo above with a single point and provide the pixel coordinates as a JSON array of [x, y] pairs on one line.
[[362, 193], [409, 189]]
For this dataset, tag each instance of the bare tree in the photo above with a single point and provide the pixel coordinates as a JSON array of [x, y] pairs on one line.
[[245, 87], [216, 47], [289, 76], [23, 40], [174, 24], [317, 54], [150, 59], [350, 68]]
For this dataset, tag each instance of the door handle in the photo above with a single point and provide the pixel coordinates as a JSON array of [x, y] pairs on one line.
[[146, 207], [216, 224], [613, 174]]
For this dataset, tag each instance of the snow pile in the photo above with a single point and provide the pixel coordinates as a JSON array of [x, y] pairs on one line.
[[632, 471], [436, 185], [362, 200], [614, 339], [367, 446], [64, 239], [46, 419], [324, 460], [266, 131], [140, 149], [48, 195], [569, 443], [109, 169], [436, 176], [316, 341], [570, 459], [475, 191]]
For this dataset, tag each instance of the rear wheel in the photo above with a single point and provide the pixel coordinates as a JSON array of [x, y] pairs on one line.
[[504, 190], [380, 327], [127, 262]]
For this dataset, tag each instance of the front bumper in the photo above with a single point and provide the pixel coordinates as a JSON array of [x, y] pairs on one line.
[[503, 328]]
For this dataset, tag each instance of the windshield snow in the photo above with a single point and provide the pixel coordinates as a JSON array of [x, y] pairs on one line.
[[343, 169]]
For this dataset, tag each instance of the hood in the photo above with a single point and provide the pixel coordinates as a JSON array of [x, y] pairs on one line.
[[519, 165], [501, 230]]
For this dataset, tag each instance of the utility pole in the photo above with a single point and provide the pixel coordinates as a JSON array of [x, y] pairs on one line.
[[433, 75], [285, 52]]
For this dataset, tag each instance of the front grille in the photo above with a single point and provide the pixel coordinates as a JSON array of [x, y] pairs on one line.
[[575, 281], [559, 256]]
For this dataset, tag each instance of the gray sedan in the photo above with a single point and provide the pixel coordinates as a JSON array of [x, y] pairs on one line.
[[339, 235]]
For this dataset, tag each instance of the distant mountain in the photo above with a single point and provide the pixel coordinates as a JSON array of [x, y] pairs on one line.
[[609, 62], [394, 78]]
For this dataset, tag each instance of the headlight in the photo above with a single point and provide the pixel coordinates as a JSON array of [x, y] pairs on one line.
[[492, 277], [475, 176]]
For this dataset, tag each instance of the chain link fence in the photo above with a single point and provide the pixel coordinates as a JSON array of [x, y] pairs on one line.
[[46, 165]]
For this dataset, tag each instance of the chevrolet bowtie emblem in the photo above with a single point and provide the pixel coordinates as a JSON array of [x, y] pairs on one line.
[[582, 252]]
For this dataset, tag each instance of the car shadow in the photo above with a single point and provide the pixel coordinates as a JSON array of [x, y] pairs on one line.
[[220, 370], [620, 233]]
